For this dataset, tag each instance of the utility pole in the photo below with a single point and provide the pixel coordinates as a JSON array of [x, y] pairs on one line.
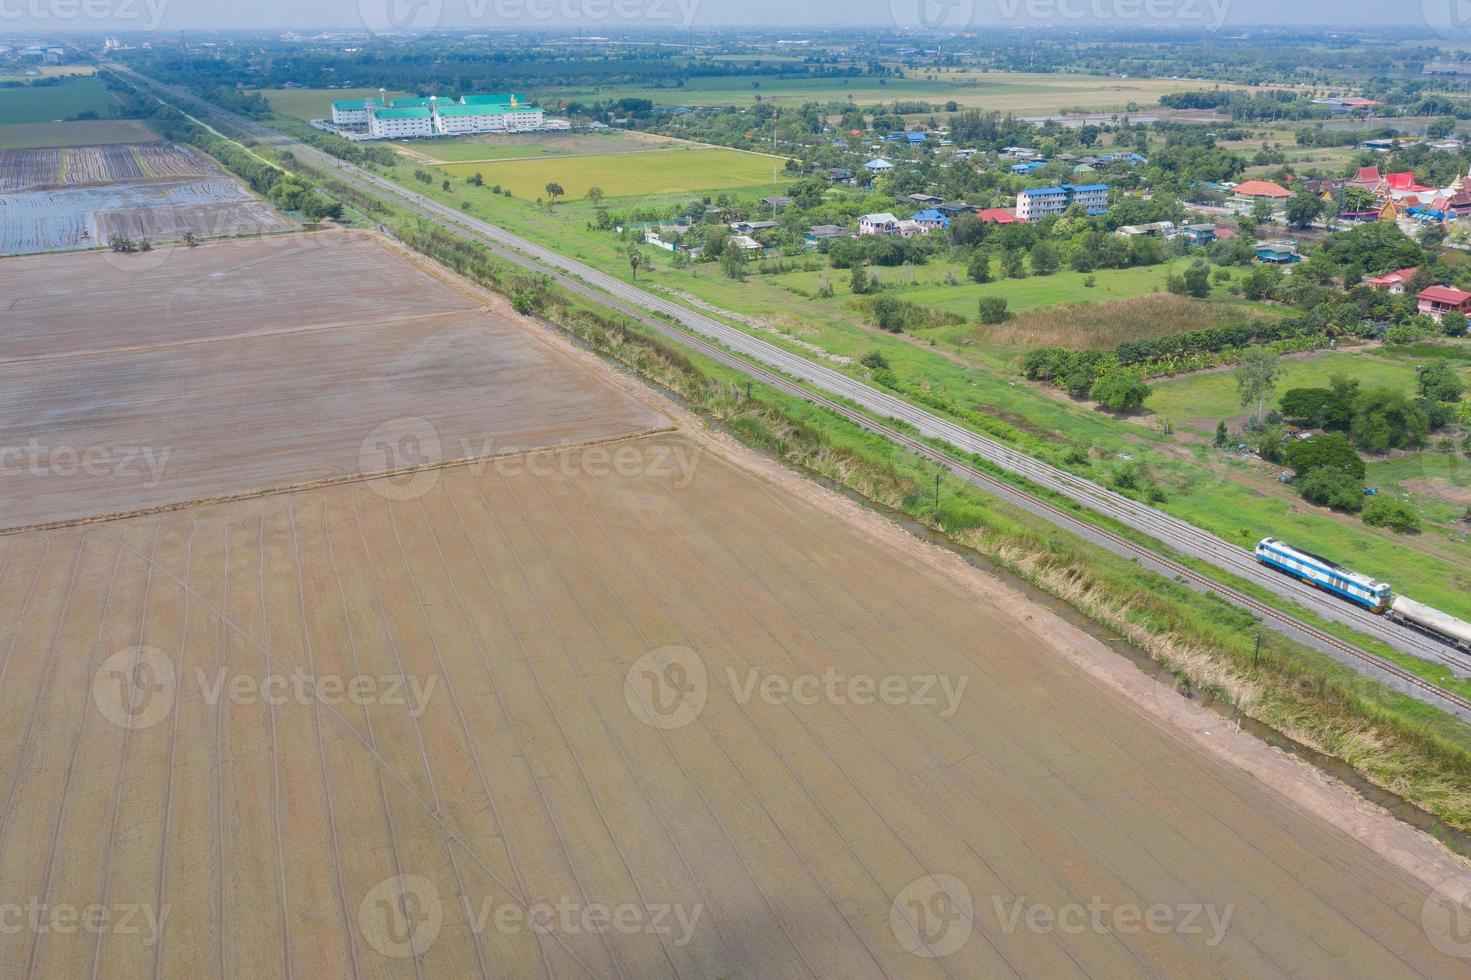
[[937, 496], [1257, 654]]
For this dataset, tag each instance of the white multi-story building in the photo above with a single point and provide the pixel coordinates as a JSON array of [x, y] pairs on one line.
[[432, 116], [1041, 202]]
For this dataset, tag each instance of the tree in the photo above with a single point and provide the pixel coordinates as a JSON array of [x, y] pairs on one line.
[[859, 281], [595, 195], [979, 267], [1397, 515], [1222, 435], [1011, 264], [1330, 451], [1120, 389], [1439, 382], [1453, 323], [1198, 280], [1044, 259], [1386, 419], [1330, 488], [1259, 283], [1256, 377], [874, 360], [635, 259], [733, 263], [993, 309], [554, 190], [1262, 211], [1304, 208], [888, 313]]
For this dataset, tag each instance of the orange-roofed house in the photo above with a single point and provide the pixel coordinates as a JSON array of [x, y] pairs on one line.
[[1436, 301], [1248, 192]]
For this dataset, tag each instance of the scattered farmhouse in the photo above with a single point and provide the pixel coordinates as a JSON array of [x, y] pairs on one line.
[[1436, 301]]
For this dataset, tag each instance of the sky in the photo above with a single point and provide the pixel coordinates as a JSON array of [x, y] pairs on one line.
[[604, 15]]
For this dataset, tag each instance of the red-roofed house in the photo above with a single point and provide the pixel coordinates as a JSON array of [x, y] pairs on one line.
[[1000, 216], [1436, 301], [1394, 282]]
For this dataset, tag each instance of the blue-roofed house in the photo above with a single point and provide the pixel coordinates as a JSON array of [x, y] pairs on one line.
[[1037, 203], [931, 220]]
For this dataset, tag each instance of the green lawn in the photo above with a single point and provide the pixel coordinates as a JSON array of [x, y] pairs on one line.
[[529, 146], [87, 132], [676, 170], [307, 104], [1207, 396], [1015, 92], [1040, 291], [48, 103]]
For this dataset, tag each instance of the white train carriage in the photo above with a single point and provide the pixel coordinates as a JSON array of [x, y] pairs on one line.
[[1427, 619], [1327, 575]]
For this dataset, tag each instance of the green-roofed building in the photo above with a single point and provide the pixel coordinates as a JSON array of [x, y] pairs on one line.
[[504, 112]]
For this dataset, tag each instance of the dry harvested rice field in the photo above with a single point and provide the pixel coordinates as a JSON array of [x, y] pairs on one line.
[[84, 165], [569, 713], [255, 384]]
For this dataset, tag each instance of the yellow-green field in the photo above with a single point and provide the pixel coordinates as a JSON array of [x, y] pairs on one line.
[[673, 171], [89, 132], [307, 104], [1017, 92]]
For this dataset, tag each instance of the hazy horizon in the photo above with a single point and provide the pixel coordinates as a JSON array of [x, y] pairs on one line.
[[1434, 17]]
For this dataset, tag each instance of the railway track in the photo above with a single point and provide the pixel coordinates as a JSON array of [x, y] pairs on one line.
[[763, 360]]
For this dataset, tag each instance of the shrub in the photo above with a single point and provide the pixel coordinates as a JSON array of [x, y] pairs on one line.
[[1394, 514], [1120, 390], [993, 309]]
